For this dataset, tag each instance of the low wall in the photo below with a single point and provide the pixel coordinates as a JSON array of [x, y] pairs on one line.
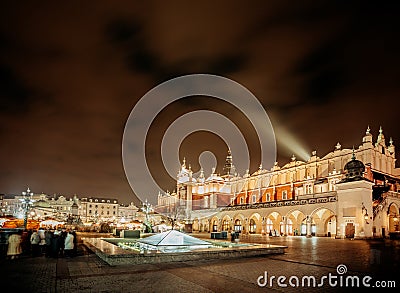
[[115, 255]]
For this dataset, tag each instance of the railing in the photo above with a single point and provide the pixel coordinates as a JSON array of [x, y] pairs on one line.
[[392, 194], [312, 199]]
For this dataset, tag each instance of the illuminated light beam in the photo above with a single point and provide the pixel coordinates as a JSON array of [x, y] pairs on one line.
[[291, 144]]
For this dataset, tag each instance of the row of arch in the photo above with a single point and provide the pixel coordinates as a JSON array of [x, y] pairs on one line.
[[321, 222]]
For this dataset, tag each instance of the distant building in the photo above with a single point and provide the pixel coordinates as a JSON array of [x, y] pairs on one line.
[[73, 209]]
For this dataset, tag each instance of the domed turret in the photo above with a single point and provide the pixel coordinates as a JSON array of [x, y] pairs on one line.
[[354, 169]]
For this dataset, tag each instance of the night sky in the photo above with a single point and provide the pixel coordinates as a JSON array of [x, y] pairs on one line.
[[71, 73]]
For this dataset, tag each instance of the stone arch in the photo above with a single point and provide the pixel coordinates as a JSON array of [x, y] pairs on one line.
[[227, 223], [255, 223], [325, 221], [238, 222], [273, 223], [215, 224], [294, 219], [393, 217]]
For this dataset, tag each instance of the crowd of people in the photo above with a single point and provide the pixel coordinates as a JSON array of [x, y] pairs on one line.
[[48, 242]]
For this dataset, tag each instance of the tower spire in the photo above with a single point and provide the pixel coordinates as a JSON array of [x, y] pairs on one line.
[[228, 163], [381, 137]]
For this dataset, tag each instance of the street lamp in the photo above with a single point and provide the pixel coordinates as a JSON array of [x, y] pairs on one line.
[[147, 208], [27, 202], [366, 216]]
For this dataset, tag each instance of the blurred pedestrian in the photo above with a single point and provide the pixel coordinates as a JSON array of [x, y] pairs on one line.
[[55, 244], [48, 235], [14, 245], [68, 244], [35, 240], [61, 241], [75, 249], [42, 243], [26, 242]]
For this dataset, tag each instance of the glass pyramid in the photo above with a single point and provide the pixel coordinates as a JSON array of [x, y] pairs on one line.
[[174, 240]]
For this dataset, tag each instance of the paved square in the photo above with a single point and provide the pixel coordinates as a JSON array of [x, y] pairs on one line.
[[304, 257]]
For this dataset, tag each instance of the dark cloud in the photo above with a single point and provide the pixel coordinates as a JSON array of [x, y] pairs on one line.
[[15, 95], [324, 72], [70, 74]]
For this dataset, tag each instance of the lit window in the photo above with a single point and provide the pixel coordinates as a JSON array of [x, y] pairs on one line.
[[284, 195], [238, 226], [225, 225]]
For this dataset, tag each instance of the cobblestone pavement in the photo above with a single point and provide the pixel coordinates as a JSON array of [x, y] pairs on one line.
[[316, 257]]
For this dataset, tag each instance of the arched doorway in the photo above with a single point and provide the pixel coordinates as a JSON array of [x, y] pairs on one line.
[[350, 230], [215, 226], [252, 226], [274, 224], [331, 226], [238, 225], [303, 228], [393, 215], [325, 222], [289, 227], [226, 225], [294, 220], [269, 226]]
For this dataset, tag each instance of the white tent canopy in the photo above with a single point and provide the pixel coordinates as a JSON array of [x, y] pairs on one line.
[[51, 223]]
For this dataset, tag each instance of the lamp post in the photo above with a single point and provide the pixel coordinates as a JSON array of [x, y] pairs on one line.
[[147, 208], [366, 216], [27, 202]]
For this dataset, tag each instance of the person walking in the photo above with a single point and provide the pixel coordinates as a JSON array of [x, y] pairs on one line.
[[35, 240], [61, 241], [42, 243], [26, 241], [75, 249], [48, 235], [14, 245], [55, 244], [68, 244]]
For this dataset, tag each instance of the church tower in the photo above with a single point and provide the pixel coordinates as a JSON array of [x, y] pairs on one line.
[[228, 167]]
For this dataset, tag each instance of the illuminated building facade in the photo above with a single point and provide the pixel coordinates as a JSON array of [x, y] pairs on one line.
[[322, 196]]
